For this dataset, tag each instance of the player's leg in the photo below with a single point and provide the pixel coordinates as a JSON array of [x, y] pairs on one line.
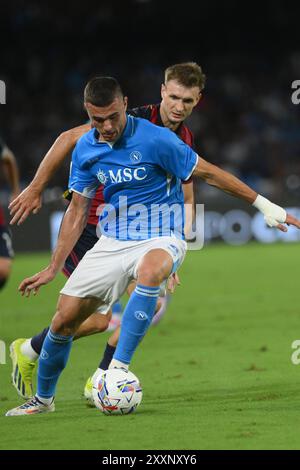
[[108, 354], [5, 268], [153, 263], [25, 352], [114, 338], [117, 311], [71, 312], [96, 323], [111, 345], [6, 255], [137, 291], [86, 289], [113, 341], [154, 268]]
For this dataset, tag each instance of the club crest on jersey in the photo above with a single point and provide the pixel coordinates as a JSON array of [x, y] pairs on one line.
[[135, 156], [102, 177]]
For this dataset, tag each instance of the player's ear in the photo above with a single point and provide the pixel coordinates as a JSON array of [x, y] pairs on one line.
[[199, 97], [162, 90], [85, 107], [125, 101]]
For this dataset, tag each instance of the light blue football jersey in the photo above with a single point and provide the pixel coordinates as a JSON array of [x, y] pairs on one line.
[[141, 174]]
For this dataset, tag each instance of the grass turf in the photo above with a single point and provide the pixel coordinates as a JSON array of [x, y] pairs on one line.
[[216, 372]]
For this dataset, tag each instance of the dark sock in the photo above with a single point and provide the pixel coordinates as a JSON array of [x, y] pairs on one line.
[[37, 340], [107, 357]]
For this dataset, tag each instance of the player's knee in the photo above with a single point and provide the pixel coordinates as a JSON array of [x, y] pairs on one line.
[[108, 317], [103, 326], [103, 322], [62, 325], [149, 274], [4, 272], [3, 281]]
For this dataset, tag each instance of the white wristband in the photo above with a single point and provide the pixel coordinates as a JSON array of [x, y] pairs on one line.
[[273, 214]]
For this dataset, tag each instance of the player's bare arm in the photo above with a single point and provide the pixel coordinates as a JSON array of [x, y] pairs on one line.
[[189, 206], [30, 200], [73, 223], [11, 171], [275, 216]]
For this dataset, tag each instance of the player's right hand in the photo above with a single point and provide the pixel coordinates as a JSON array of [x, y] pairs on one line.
[[34, 283], [29, 201], [173, 281]]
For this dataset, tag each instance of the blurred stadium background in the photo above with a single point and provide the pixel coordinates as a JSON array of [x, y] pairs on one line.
[[246, 121]]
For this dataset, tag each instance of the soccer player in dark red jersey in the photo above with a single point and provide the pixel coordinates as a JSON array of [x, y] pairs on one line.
[[8, 166], [180, 94]]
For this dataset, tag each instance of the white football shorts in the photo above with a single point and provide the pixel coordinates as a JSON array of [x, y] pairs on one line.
[[106, 270]]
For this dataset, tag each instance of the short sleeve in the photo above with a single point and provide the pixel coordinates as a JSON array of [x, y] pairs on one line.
[[81, 180], [174, 156]]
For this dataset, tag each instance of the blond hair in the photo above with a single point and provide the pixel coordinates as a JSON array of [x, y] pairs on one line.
[[188, 74]]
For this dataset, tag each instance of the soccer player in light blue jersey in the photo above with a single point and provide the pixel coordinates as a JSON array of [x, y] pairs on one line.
[[141, 167], [180, 94]]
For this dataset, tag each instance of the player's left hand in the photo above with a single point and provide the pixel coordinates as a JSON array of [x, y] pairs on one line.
[[274, 215], [29, 201], [290, 220], [14, 195], [173, 281], [34, 283]]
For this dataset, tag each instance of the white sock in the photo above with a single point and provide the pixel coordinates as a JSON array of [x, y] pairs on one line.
[[45, 401], [115, 364], [98, 372], [28, 350]]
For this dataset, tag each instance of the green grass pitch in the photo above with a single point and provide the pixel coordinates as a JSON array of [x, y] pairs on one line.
[[216, 372]]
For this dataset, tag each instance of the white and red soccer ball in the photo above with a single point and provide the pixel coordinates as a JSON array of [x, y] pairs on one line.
[[116, 391]]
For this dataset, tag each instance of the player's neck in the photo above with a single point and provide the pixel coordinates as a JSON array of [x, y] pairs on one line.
[[166, 122]]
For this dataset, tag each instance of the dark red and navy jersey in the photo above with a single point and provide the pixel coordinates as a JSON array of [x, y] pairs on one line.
[[2, 145], [151, 112], [95, 208]]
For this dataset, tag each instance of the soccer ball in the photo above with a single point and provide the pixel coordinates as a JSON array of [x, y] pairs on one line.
[[117, 392]]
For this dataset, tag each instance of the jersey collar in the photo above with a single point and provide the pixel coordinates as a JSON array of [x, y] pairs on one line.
[[128, 129]]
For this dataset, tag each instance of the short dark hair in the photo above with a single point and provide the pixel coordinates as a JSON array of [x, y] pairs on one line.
[[188, 74], [101, 91]]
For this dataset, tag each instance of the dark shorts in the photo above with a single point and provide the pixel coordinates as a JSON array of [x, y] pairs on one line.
[[6, 249], [87, 240]]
